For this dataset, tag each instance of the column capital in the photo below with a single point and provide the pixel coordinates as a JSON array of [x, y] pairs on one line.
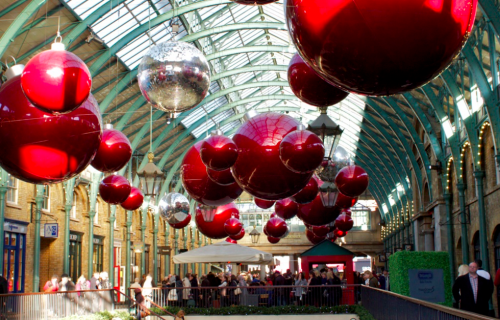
[[479, 174], [447, 196], [461, 186]]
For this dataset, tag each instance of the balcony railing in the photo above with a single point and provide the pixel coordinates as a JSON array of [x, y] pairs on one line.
[[391, 306]]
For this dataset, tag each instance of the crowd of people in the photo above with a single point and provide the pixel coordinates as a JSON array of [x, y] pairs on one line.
[[246, 288]]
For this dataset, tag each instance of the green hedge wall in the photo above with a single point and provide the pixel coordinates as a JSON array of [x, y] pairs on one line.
[[402, 261]]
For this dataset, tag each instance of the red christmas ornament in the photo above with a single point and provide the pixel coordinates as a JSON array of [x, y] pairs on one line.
[[333, 239], [302, 151], [182, 224], [56, 80], [228, 239], [346, 211], [224, 177], [114, 151], [199, 186], [309, 87], [273, 215], [238, 236], [259, 169], [114, 189], [254, 2], [352, 181], [39, 147], [215, 229], [307, 194], [273, 240], [236, 215], [339, 233], [264, 229], [346, 41], [320, 231], [315, 214], [218, 152], [276, 227], [233, 226], [313, 238], [263, 204], [134, 200], [344, 222], [286, 208], [345, 202]]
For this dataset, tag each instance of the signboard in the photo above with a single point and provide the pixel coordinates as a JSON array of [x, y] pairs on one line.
[[97, 240], [15, 227], [163, 250], [50, 230], [427, 284]]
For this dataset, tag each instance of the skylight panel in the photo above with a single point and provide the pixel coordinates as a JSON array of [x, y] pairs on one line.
[[84, 7], [231, 125], [243, 78]]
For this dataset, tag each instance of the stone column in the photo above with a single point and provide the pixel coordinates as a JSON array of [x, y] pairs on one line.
[[38, 217], [449, 234], [112, 219], [128, 267]]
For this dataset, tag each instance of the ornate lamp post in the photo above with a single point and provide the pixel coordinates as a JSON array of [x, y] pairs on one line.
[[254, 235], [151, 178], [327, 130], [207, 212]]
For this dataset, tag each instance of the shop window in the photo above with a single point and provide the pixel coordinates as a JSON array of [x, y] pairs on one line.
[[75, 256], [46, 198], [12, 191], [477, 246], [73, 206], [496, 242], [98, 257]]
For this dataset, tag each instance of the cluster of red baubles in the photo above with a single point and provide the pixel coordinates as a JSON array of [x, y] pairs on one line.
[[52, 127]]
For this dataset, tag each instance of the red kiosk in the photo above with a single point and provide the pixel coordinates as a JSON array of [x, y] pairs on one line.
[[327, 253]]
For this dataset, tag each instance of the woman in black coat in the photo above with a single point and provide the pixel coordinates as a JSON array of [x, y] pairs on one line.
[[233, 299], [194, 290], [179, 285]]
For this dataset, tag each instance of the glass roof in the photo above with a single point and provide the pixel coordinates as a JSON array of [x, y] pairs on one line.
[[129, 15]]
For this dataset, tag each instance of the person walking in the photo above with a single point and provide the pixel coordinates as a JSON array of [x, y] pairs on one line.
[[147, 290], [242, 284], [370, 280], [472, 291], [279, 280], [134, 286], [178, 286], [195, 291]]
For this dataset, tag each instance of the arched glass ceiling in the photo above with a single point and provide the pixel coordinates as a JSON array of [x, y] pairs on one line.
[[130, 14]]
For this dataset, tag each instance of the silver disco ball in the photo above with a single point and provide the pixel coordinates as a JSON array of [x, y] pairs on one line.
[[174, 208], [174, 76]]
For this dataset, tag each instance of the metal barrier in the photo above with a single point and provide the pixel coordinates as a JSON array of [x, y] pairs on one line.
[[55, 305], [265, 296], [59, 305], [391, 306]]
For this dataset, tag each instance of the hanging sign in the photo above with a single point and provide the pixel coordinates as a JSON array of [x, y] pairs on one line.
[[50, 230]]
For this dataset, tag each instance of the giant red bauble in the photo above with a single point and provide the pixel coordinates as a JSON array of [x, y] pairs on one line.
[[273, 240], [344, 222], [352, 180], [224, 177], [228, 239], [182, 224], [320, 231], [114, 151], [254, 2], [258, 169], [315, 214], [114, 189], [264, 229], [263, 204], [134, 200], [40, 148], [218, 152], [276, 227], [233, 226], [199, 186], [215, 229], [313, 238], [308, 193], [286, 208], [238, 236], [302, 151], [56, 81], [379, 47], [345, 202], [309, 87]]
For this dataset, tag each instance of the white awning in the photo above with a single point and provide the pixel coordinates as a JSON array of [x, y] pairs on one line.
[[224, 252]]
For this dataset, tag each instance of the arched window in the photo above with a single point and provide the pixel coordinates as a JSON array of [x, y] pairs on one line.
[[496, 243], [477, 246], [73, 206]]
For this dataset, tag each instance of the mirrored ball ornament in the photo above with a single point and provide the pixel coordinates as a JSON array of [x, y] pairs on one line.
[[174, 208], [174, 76]]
